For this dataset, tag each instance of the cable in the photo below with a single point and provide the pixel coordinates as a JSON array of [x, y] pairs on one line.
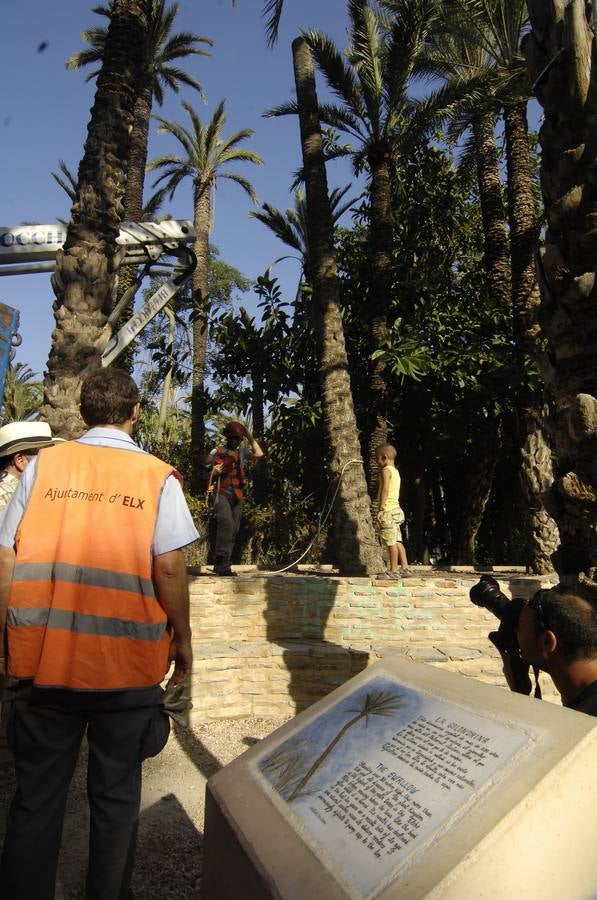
[[322, 519]]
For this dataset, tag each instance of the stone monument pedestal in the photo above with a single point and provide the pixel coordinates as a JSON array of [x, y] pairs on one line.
[[409, 782]]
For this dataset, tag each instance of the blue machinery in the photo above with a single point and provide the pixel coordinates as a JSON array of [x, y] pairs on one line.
[[9, 340]]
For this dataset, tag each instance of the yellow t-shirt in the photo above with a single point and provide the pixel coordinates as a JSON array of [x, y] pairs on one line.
[[392, 500]]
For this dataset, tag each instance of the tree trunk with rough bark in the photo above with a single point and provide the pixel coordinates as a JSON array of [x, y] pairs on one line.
[[200, 284], [135, 181], [412, 453], [524, 235], [357, 549], [85, 276], [133, 207], [381, 230], [496, 249], [467, 492], [560, 51]]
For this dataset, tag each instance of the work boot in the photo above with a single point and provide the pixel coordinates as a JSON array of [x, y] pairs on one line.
[[222, 566]]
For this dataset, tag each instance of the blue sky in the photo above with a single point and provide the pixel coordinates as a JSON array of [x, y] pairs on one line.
[[44, 111]]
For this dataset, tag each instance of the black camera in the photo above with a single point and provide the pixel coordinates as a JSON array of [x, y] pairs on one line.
[[486, 593]]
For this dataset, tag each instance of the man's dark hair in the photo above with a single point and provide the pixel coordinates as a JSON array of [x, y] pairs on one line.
[[108, 397], [573, 620]]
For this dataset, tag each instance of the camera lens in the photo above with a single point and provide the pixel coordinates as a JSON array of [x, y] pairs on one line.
[[486, 593]]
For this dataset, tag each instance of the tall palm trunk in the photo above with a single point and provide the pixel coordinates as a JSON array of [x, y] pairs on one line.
[[357, 549], [200, 282], [536, 468], [560, 51], [467, 492], [86, 269], [133, 205], [135, 181], [381, 231], [524, 228], [416, 422], [496, 250]]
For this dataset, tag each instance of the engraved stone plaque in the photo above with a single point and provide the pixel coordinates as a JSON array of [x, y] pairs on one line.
[[377, 775], [409, 782]]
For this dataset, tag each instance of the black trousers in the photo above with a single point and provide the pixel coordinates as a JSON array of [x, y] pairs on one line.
[[45, 732], [228, 515]]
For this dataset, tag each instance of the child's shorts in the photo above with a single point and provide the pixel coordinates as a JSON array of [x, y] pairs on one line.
[[389, 527]]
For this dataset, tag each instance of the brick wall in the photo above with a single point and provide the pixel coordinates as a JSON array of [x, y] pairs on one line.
[[271, 645]]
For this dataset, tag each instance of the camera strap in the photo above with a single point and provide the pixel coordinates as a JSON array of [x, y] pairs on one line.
[[537, 691]]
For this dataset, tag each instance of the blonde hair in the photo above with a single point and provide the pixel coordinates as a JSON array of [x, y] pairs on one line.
[[386, 450]]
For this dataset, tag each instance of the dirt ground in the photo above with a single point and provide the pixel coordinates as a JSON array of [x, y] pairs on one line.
[[169, 854]]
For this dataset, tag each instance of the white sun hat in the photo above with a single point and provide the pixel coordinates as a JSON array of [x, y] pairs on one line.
[[19, 436]]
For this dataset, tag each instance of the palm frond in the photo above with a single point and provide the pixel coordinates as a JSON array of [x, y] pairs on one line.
[[272, 13], [280, 225], [339, 76], [69, 182], [244, 183], [284, 109]]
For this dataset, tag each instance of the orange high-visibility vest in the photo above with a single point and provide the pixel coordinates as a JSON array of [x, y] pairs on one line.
[[233, 473], [82, 612]]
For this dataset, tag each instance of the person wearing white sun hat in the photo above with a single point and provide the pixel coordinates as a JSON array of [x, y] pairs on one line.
[[19, 443]]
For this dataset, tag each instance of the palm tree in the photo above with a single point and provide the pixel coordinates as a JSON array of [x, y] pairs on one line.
[[560, 49], [206, 155], [163, 50], [376, 703], [475, 49], [291, 227], [87, 267], [160, 71], [461, 65], [370, 80], [357, 549], [23, 393]]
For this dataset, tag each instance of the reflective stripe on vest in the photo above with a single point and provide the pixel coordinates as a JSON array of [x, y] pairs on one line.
[[82, 611], [85, 624], [233, 475], [122, 581]]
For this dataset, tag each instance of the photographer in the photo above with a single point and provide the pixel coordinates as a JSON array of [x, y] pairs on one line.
[[555, 632]]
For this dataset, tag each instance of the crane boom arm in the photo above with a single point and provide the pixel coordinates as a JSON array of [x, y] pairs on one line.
[[21, 244], [28, 249]]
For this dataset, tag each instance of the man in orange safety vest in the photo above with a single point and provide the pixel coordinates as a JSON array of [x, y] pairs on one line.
[[93, 603]]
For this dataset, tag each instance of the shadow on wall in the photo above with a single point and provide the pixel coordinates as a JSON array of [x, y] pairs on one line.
[[297, 613]]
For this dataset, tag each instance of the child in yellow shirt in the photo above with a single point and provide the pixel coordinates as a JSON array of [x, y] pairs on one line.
[[389, 513]]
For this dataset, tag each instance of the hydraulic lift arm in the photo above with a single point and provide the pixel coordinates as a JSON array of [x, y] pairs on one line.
[[31, 249]]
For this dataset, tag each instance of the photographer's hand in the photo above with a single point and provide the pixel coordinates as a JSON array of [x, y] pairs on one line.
[[507, 670], [516, 673]]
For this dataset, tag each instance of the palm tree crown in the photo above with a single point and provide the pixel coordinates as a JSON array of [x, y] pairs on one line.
[[207, 152], [474, 49], [162, 49], [291, 226], [371, 77]]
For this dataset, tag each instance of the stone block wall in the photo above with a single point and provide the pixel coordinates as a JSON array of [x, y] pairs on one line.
[[270, 646]]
